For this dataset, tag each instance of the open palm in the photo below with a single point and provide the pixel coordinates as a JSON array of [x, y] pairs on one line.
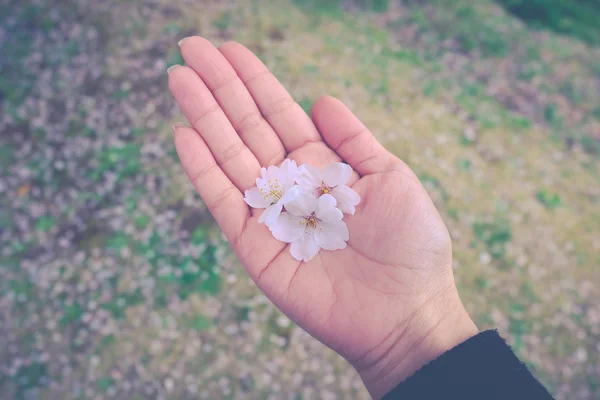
[[377, 301]]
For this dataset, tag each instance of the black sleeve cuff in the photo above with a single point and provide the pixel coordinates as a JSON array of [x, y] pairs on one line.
[[483, 367]]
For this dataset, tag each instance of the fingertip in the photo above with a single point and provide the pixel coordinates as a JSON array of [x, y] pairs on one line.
[[194, 41], [194, 47], [178, 125], [323, 105], [177, 77], [230, 44], [171, 68]]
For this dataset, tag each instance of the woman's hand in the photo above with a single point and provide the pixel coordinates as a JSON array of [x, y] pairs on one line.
[[387, 302]]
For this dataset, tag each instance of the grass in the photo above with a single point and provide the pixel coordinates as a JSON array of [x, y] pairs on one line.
[[494, 235], [223, 22], [578, 18], [441, 122], [334, 7], [123, 160], [45, 223], [548, 199], [30, 376], [462, 21], [200, 323]]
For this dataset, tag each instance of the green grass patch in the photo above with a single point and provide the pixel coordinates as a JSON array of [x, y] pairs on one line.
[[577, 18], [322, 7], [122, 160], [29, 377], [223, 22], [464, 164], [71, 313], [519, 325], [334, 6], [174, 57], [461, 20], [104, 383], [200, 323], [433, 183], [121, 301], [118, 241], [6, 156], [481, 283], [549, 200], [306, 105], [242, 313], [120, 94], [590, 145], [373, 5], [45, 223], [182, 275], [494, 235], [142, 221]]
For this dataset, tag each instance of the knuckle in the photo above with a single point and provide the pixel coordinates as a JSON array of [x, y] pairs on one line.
[[250, 121], [222, 198], [280, 106], [210, 110], [230, 152], [199, 175]]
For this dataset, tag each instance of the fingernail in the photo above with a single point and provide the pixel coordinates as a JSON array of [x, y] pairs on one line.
[[177, 125], [172, 67], [181, 41]]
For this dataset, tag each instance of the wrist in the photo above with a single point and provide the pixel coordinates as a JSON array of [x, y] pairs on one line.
[[433, 330]]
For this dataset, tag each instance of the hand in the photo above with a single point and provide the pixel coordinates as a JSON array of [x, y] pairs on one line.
[[387, 302]]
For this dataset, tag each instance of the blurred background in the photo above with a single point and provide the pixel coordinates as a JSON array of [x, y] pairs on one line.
[[115, 282]]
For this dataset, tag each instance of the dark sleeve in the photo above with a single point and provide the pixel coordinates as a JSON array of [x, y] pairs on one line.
[[483, 367]]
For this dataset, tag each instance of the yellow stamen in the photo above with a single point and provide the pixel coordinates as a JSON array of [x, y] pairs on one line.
[[276, 194], [311, 221]]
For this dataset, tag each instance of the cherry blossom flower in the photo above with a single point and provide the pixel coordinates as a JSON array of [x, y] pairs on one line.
[[331, 181], [311, 224], [272, 190]]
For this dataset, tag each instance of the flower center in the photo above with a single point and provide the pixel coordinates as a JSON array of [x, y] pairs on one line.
[[276, 194], [274, 191], [323, 189], [311, 221]]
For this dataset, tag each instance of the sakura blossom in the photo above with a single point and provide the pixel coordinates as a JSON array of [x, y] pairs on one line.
[[333, 181], [272, 190], [311, 224]]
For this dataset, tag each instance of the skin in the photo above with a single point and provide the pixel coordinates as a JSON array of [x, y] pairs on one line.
[[387, 302]]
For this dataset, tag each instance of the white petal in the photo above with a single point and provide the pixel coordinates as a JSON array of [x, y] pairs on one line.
[[272, 173], [309, 177], [288, 173], [326, 210], [264, 176], [291, 195], [303, 204], [337, 174], [305, 248], [255, 199], [346, 197], [332, 235], [287, 227], [270, 214]]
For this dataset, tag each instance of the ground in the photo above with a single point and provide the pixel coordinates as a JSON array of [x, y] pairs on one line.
[[115, 281]]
